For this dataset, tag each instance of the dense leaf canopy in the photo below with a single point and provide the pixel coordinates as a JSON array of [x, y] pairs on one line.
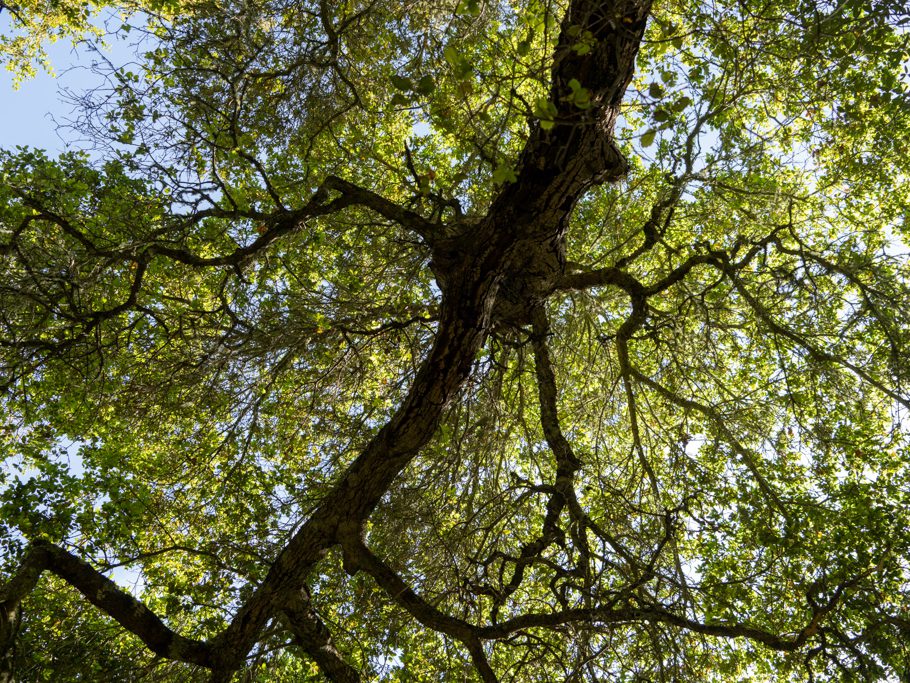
[[461, 340]]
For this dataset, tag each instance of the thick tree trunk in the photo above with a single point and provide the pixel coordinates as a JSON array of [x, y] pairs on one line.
[[514, 249]]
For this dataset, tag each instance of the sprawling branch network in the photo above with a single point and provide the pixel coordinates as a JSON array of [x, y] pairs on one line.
[[498, 273]]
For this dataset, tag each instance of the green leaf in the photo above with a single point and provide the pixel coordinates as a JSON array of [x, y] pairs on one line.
[[470, 7], [544, 109], [681, 104], [647, 139], [401, 82], [426, 85], [504, 173], [581, 48], [457, 61]]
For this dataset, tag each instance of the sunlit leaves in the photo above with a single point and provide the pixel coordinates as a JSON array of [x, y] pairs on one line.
[[740, 462]]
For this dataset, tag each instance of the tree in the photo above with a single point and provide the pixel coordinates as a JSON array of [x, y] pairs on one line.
[[462, 340]]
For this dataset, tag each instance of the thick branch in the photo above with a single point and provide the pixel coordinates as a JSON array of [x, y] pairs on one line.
[[558, 165], [631, 615], [286, 222], [358, 557], [276, 225], [104, 594], [601, 278], [613, 275], [385, 208], [314, 637]]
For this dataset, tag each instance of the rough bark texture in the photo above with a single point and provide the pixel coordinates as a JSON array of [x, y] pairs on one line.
[[316, 640]]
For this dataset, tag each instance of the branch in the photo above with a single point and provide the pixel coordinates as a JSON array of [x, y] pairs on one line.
[[358, 557], [567, 463], [778, 328], [635, 320], [562, 492], [613, 275], [630, 615], [126, 610], [286, 222], [720, 424], [385, 208], [312, 635], [277, 225], [868, 292], [601, 277]]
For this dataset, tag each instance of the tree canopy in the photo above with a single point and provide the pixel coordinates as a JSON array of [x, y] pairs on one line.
[[537, 340]]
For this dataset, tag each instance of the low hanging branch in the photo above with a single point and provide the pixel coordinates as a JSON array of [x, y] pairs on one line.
[[130, 613]]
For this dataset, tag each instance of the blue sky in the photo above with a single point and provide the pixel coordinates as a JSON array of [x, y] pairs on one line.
[[27, 115], [22, 114]]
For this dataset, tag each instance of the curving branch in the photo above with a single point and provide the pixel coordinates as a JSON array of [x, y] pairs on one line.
[[285, 222], [314, 637], [601, 277], [656, 615], [359, 557], [129, 612], [631, 325], [567, 463], [406, 218], [276, 225], [814, 351], [562, 491], [614, 275]]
